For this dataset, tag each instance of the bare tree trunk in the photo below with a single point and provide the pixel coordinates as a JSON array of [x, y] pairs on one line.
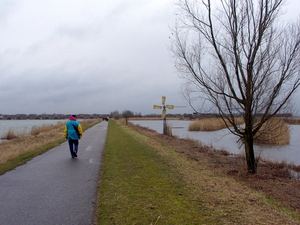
[[250, 158], [235, 56]]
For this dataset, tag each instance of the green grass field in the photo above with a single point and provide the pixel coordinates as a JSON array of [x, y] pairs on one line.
[[140, 187]]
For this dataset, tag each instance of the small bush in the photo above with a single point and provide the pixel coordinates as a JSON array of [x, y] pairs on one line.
[[10, 134], [35, 131], [274, 132], [169, 130], [210, 124]]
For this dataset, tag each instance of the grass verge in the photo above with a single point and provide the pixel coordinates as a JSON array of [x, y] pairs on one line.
[[144, 182], [139, 187], [23, 157]]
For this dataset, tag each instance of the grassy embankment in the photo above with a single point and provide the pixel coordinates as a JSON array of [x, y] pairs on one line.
[[144, 182], [24, 147]]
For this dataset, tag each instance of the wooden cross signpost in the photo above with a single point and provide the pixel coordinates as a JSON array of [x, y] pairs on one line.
[[164, 113]]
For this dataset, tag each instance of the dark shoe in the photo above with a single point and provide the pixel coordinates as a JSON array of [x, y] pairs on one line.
[[75, 154]]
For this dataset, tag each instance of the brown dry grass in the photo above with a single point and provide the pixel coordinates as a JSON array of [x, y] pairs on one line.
[[157, 118], [273, 180], [210, 124], [274, 132], [22, 144], [11, 134], [37, 130], [291, 120]]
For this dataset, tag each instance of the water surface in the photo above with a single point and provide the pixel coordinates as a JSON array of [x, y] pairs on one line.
[[223, 139], [24, 126]]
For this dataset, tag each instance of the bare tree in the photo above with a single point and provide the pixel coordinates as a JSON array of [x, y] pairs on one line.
[[127, 114], [239, 56], [115, 114]]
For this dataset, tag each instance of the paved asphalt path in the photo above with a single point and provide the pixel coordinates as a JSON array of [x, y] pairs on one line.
[[53, 188]]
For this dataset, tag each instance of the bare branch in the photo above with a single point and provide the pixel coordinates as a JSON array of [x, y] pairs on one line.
[[235, 53]]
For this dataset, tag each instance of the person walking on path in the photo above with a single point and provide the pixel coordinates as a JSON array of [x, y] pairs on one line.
[[73, 132]]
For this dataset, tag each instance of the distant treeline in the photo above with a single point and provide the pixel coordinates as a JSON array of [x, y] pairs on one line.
[[114, 114], [49, 116]]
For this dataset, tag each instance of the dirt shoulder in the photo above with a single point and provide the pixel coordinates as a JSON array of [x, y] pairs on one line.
[[271, 179]]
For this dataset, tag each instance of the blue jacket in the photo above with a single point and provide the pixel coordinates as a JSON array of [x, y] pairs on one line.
[[70, 131]]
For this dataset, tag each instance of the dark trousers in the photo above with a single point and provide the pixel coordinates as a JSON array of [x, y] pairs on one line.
[[73, 144]]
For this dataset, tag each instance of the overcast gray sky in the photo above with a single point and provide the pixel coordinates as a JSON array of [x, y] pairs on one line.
[[93, 56]]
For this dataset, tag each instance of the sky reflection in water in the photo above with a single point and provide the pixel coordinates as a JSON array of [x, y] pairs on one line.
[[223, 139]]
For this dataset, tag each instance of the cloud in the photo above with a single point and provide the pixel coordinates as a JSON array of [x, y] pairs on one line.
[[65, 56]]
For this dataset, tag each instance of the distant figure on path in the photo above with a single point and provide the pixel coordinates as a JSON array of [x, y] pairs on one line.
[[73, 132]]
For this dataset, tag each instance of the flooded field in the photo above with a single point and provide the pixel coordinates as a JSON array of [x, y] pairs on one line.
[[24, 126], [223, 139]]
